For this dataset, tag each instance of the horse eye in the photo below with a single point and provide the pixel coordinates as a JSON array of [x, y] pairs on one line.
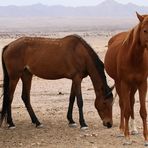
[[145, 31]]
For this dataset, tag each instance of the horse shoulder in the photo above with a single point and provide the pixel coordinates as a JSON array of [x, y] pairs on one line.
[[112, 54]]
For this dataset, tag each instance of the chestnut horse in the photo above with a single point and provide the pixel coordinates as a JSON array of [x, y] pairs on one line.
[[126, 61], [69, 57]]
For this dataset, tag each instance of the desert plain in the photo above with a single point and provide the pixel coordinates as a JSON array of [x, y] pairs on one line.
[[50, 98]]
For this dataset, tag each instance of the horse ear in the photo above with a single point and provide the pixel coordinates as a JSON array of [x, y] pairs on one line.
[[140, 17]]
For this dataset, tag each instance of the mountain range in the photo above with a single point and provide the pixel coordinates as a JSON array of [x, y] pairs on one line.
[[108, 8]]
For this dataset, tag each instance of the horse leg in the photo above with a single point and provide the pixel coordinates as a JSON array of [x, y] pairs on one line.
[[134, 130], [12, 86], [121, 127], [26, 82], [142, 95], [77, 82], [70, 107], [125, 97]]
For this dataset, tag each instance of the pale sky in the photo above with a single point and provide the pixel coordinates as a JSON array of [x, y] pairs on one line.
[[68, 2]]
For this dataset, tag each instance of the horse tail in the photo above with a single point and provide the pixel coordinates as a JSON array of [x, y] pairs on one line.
[[5, 89]]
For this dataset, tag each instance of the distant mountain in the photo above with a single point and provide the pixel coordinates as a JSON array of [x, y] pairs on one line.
[[108, 8]]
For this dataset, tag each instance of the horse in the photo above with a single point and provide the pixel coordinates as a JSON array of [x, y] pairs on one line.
[[126, 61], [69, 57]]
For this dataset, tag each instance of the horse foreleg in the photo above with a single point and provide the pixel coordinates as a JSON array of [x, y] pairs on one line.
[[122, 124], [121, 127], [143, 112], [78, 92], [125, 96], [12, 86], [134, 130], [26, 82], [70, 107]]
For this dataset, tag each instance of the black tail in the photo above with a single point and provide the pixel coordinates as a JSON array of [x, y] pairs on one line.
[[5, 89]]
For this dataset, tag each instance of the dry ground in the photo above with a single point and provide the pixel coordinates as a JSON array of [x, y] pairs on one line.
[[51, 109]]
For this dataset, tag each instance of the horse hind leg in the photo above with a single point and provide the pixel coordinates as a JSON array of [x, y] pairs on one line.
[[70, 107], [12, 86], [26, 82]]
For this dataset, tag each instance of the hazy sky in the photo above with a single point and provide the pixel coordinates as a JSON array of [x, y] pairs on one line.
[[68, 2]]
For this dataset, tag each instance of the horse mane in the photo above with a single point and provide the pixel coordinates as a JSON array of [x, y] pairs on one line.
[[92, 53], [132, 38], [97, 62]]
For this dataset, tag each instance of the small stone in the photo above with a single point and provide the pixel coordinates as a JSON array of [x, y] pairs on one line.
[[32, 144], [94, 135], [20, 144], [60, 93], [86, 135]]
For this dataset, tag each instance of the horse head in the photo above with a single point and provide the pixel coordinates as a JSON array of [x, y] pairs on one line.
[[103, 105], [143, 19]]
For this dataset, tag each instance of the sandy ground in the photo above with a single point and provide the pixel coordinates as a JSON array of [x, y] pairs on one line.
[[51, 109]]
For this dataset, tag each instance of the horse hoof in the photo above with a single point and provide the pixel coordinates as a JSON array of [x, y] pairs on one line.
[[73, 125], [120, 135], [11, 127], [84, 128], [40, 126], [127, 142], [146, 143], [134, 132]]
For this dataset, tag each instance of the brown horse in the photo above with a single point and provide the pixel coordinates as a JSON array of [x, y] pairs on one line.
[[69, 57], [126, 61]]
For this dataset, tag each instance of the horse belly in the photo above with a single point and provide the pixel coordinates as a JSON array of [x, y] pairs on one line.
[[49, 74], [51, 69]]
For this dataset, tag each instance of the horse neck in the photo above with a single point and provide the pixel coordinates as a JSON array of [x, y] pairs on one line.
[[95, 78], [95, 69]]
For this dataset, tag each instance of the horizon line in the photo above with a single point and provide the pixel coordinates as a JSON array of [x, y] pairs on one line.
[[41, 3]]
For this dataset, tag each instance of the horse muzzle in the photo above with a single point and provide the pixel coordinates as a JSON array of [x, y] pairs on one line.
[[107, 124]]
